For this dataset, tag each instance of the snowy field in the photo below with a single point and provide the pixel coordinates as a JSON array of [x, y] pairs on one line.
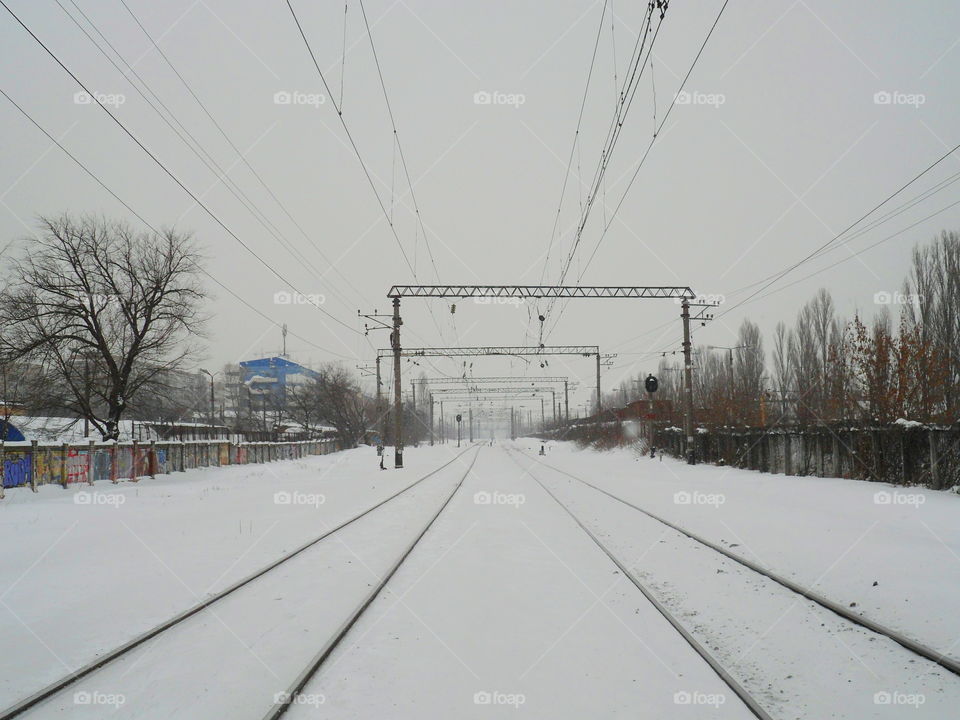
[[505, 608]]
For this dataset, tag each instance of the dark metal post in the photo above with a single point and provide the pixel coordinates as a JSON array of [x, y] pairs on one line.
[[599, 398], [431, 419], [381, 426], [566, 401], [688, 383], [397, 388]]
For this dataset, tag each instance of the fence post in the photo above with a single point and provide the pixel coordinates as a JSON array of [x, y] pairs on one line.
[[931, 436], [152, 459], [91, 451], [133, 464], [34, 451], [64, 450], [3, 475]]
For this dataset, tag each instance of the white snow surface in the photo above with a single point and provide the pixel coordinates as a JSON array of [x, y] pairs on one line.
[[505, 608]]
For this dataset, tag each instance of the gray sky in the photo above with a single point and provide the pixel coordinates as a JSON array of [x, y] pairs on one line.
[[783, 145]]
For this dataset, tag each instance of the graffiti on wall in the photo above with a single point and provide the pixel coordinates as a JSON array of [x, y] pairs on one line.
[[16, 470]]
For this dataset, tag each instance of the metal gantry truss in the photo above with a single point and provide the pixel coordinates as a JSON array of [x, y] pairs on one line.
[[679, 292], [515, 350], [539, 291], [497, 384]]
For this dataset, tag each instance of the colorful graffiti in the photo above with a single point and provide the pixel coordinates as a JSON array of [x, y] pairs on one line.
[[59, 464], [16, 470]]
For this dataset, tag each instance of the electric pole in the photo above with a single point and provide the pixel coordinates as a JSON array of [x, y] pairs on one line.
[[397, 388], [687, 382]]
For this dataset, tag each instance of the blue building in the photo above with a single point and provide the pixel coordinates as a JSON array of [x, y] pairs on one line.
[[271, 378]]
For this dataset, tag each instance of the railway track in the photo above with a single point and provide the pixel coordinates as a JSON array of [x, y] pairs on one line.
[[288, 697], [914, 646], [751, 702], [57, 686]]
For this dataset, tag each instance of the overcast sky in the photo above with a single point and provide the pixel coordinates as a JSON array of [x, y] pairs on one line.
[[784, 142]]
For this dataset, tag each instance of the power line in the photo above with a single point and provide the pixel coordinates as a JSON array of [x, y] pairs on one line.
[[233, 145], [836, 237], [197, 147], [156, 160], [136, 214], [356, 150], [646, 153], [638, 63]]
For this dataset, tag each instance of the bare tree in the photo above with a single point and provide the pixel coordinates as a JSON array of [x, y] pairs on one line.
[[332, 397], [102, 311]]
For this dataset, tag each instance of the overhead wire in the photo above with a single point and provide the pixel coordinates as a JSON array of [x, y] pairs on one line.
[[166, 170], [149, 225]]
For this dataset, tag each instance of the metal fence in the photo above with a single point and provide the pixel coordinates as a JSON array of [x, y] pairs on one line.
[[898, 454], [33, 464]]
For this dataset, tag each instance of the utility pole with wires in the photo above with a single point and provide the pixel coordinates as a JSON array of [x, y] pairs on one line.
[[397, 389], [378, 323], [703, 317]]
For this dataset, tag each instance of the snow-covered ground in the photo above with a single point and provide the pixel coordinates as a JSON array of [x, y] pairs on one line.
[[891, 553], [505, 608], [79, 579]]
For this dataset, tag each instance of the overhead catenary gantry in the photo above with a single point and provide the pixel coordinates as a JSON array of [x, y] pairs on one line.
[[506, 381], [477, 351], [679, 292]]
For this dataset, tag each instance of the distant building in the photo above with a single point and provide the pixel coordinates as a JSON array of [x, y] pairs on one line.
[[263, 386]]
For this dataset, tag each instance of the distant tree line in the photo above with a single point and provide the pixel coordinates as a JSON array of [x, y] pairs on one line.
[[829, 369]]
